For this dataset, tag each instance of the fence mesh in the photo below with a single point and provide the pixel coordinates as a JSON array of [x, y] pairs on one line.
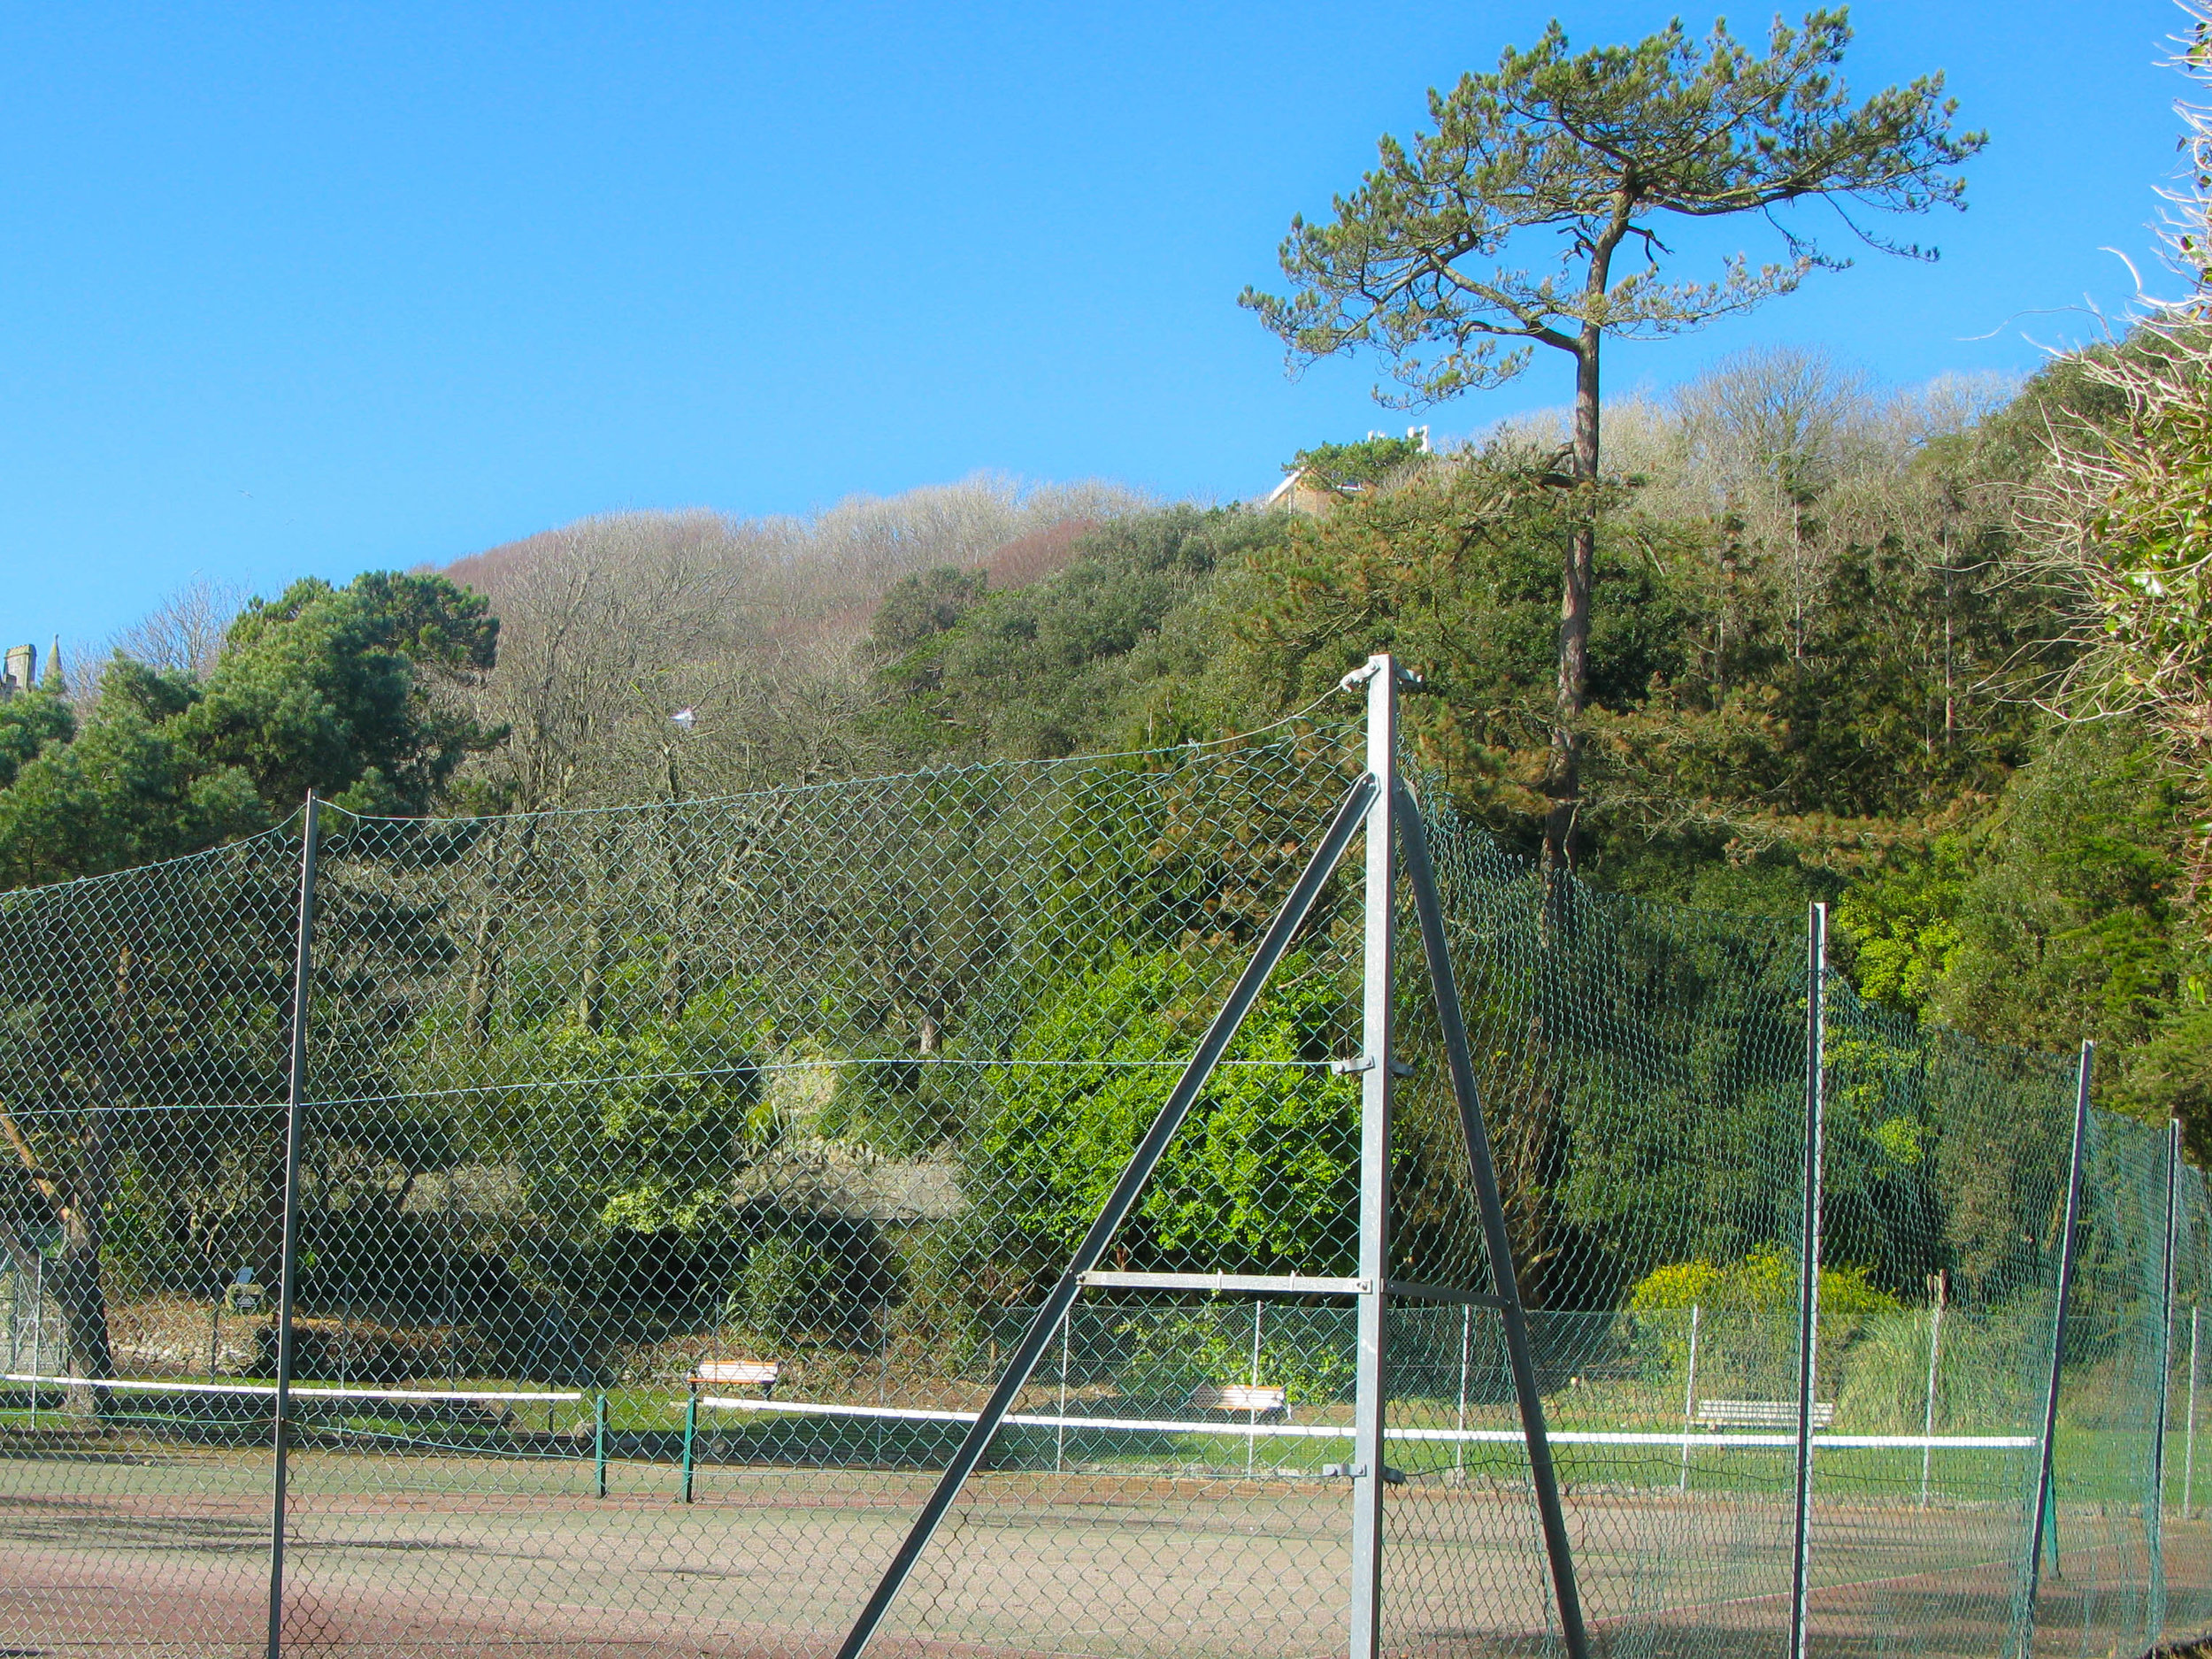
[[676, 1179]]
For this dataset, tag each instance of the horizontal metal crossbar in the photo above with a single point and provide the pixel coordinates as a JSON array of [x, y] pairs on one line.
[[1282, 1285], [1343, 1432], [1266, 1284], [129, 1385], [1413, 1290]]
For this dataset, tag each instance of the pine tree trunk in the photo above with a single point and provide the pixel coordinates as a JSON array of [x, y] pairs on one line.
[[72, 1279], [1562, 776]]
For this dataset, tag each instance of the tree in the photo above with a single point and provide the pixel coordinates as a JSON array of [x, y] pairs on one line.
[[1598, 149], [333, 689], [104, 1037], [336, 690], [1051, 668], [1348, 468]]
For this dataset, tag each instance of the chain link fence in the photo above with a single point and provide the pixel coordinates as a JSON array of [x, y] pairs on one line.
[[674, 1183]]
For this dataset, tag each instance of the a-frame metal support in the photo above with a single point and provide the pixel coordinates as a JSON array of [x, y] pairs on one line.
[[1393, 824], [1504, 1280]]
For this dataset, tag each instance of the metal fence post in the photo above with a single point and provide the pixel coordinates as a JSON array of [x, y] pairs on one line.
[[294, 1124], [1809, 1270], [2045, 1499], [1374, 1159], [2156, 1540]]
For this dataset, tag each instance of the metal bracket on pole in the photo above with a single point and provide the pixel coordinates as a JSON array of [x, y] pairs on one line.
[[1809, 1270], [1504, 1278], [1369, 1378], [294, 1115], [2045, 1499], [1272, 947]]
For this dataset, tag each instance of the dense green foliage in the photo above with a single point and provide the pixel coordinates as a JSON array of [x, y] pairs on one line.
[[1814, 671], [330, 689], [1265, 1171]]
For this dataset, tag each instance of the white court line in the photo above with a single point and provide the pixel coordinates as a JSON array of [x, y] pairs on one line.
[[131, 1386], [1320, 1431]]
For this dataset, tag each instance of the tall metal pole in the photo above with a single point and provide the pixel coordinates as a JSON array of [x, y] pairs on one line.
[[2155, 1539], [1809, 1270], [1381, 674], [294, 1126], [2045, 1497], [1497, 1240]]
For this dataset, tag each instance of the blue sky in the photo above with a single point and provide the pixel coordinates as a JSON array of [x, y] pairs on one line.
[[326, 288]]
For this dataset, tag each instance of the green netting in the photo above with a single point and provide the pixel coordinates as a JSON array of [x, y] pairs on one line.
[[676, 1180]]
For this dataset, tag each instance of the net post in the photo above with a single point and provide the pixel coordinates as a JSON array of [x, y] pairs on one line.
[[1380, 894], [691, 1433], [1938, 1293], [1497, 1242], [2045, 1499], [1060, 1431], [1689, 1396], [1127, 1187], [599, 1438], [1252, 1414], [295, 1117], [1809, 1268], [1466, 1354], [2157, 1539]]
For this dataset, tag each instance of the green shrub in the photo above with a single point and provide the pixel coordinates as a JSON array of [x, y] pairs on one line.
[[1265, 1171], [1748, 1323]]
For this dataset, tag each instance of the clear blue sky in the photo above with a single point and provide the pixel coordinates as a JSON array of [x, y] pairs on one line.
[[320, 288]]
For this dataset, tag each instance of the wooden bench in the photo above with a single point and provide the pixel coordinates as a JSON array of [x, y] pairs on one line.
[[739, 1373], [1760, 1414], [1267, 1405]]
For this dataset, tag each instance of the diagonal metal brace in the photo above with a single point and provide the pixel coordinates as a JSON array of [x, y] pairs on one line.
[[1414, 845], [1142, 1162]]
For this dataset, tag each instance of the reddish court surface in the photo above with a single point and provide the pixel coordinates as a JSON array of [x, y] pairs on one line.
[[124, 1556]]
